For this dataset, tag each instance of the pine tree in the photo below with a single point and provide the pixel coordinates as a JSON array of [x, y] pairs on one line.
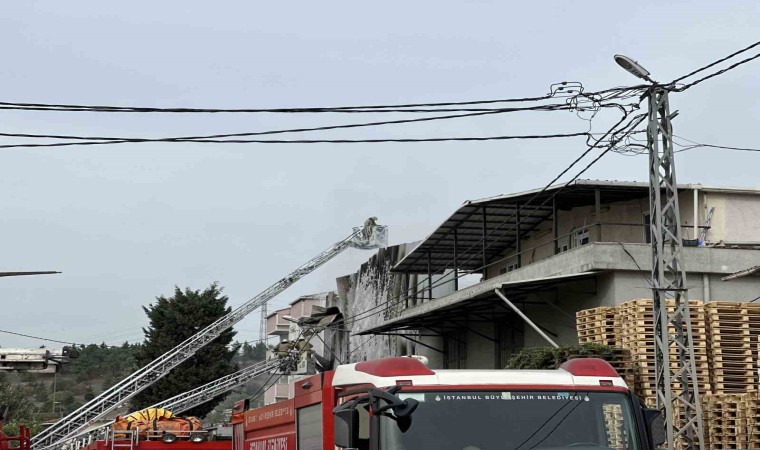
[[260, 351], [20, 409], [173, 320], [247, 350]]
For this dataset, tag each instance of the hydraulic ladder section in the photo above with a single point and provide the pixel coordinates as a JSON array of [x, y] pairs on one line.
[[370, 236], [200, 395]]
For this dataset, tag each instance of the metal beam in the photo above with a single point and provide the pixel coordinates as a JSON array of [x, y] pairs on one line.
[[485, 239], [598, 208], [430, 278], [555, 224], [456, 261], [526, 319], [418, 256], [518, 244]]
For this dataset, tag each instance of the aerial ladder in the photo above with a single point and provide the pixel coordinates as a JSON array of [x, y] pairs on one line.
[[293, 358], [370, 236], [190, 399]]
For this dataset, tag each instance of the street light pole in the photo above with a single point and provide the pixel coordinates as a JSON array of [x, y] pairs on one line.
[[672, 319], [669, 282]]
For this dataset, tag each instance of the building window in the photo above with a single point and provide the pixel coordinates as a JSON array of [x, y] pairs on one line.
[[581, 237], [646, 220], [563, 244], [502, 270], [455, 350]]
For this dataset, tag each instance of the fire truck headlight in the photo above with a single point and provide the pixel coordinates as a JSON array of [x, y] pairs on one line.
[[169, 438], [197, 437]]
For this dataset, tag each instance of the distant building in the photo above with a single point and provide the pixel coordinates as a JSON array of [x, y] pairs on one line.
[[553, 253], [287, 330]]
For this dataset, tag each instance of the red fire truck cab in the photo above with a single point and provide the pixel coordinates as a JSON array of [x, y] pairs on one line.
[[401, 404]]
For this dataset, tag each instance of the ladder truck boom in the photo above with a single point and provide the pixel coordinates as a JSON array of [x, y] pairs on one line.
[[367, 237], [200, 395], [194, 397]]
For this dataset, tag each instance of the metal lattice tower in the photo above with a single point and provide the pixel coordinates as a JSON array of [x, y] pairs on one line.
[[676, 380]]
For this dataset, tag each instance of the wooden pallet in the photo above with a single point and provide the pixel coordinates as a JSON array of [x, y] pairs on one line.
[[726, 338], [725, 419], [730, 340], [597, 326], [637, 335]]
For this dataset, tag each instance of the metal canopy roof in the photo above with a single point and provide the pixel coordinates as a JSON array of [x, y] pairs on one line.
[[501, 221], [478, 299]]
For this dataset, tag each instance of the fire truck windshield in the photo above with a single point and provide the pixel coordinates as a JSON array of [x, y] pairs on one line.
[[516, 420]]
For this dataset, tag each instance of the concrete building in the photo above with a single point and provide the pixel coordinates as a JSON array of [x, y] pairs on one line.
[[372, 295], [283, 329], [556, 251]]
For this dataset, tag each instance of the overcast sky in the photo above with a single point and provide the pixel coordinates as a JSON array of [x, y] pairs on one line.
[[126, 223]]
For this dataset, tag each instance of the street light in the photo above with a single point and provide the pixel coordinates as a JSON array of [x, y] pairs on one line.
[[668, 274], [633, 67]]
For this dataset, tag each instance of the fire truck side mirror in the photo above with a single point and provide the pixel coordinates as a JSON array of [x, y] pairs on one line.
[[346, 427], [655, 423]]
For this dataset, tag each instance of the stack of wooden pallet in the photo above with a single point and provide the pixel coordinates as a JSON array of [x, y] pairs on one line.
[[753, 419], [753, 317], [730, 347], [597, 325], [624, 364], [726, 339], [726, 420], [636, 334]]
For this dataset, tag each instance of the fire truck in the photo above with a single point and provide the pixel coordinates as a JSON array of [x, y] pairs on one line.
[[22, 441], [401, 404]]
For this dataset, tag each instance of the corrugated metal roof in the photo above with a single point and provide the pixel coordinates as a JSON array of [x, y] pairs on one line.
[[499, 223]]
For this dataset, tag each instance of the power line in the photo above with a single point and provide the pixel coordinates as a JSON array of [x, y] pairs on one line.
[[625, 130], [282, 131], [316, 141], [38, 337], [443, 281], [214, 138], [348, 109], [715, 74], [643, 149], [723, 147], [556, 89], [712, 64]]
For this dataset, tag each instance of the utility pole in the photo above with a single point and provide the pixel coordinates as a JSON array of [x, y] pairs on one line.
[[675, 379], [263, 324], [55, 383], [669, 282]]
